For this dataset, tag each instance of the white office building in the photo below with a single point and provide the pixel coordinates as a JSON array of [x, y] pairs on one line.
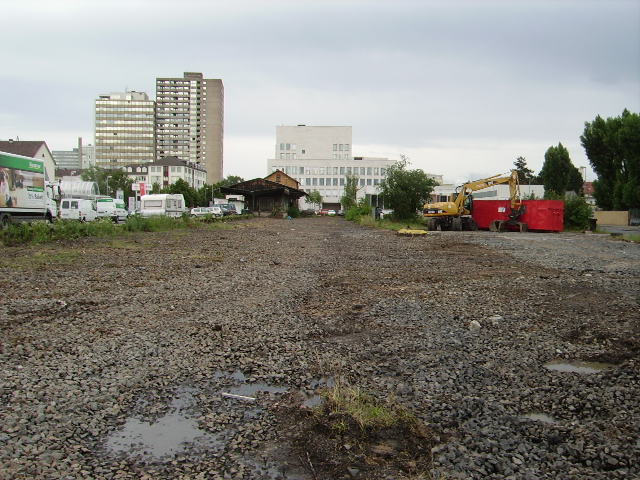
[[320, 158]]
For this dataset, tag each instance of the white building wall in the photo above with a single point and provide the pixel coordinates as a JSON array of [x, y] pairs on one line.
[[303, 142], [45, 155], [329, 176]]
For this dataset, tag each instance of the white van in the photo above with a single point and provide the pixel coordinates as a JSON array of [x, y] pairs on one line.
[[78, 209], [112, 208], [169, 204]]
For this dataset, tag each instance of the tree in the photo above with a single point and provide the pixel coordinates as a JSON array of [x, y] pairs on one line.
[[348, 200], [525, 174], [315, 198], [404, 190], [613, 149], [98, 175], [190, 194], [109, 181], [558, 174], [207, 193]]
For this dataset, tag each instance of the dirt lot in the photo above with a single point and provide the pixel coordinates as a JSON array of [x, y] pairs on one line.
[[187, 354]]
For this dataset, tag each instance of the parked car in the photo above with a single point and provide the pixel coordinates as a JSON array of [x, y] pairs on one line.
[[323, 211], [216, 211], [331, 213], [199, 211], [203, 211], [227, 209]]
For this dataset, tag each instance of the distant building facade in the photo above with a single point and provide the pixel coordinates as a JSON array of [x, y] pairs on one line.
[[124, 132], [189, 121], [79, 158], [35, 149], [320, 158], [168, 171]]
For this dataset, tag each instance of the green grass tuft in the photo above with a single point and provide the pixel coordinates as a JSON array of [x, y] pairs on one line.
[[344, 400]]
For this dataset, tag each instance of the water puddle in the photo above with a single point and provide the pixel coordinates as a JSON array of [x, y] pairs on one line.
[[252, 389], [322, 382], [577, 366], [169, 435], [313, 401], [540, 417]]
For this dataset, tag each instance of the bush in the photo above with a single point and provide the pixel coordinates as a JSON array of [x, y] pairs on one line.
[[577, 213], [362, 209], [293, 211]]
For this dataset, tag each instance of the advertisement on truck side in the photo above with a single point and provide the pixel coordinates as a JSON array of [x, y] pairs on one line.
[[21, 183]]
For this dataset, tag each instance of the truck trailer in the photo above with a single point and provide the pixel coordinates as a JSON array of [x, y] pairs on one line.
[[25, 194]]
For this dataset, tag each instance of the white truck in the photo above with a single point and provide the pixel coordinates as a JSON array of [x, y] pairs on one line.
[[112, 208], [169, 204], [25, 194], [82, 209]]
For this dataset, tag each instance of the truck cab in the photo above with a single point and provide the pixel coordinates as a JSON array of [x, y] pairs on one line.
[[112, 208]]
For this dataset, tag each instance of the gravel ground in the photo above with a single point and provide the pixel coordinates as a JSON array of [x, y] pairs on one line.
[[118, 356]]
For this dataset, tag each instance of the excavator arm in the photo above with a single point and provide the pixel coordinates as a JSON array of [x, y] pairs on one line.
[[446, 212]]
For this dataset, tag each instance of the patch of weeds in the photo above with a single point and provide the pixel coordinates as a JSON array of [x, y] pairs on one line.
[[41, 258], [354, 429], [628, 237], [366, 411]]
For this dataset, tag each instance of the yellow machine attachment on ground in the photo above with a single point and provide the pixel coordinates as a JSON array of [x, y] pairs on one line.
[[456, 215]]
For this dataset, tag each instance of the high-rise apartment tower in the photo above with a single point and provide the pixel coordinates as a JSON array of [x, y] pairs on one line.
[[190, 121], [124, 129]]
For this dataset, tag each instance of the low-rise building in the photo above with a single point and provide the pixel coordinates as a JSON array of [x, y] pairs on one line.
[[168, 171]]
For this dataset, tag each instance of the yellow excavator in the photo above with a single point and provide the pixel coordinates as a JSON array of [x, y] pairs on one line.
[[456, 214]]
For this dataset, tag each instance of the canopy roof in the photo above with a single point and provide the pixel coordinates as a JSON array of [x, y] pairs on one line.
[[260, 187]]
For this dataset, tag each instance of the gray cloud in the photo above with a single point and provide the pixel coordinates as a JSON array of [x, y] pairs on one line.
[[409, 73]]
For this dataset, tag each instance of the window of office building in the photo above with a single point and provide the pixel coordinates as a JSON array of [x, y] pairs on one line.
[[362, 182], [369, 170], [321, 182], [342, 182], [368, 181], [376, 171], [341, 170], [335, 147], [315, 182], [335, 182], [348, 170], [383, 171], [362, 170]]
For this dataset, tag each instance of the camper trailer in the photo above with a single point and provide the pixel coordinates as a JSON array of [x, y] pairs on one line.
[[169, 204]]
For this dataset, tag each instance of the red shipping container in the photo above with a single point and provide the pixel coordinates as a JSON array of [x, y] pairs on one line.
[[545, 215]]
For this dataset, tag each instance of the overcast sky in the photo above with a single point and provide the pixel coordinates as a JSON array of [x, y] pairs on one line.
[[461, 87]]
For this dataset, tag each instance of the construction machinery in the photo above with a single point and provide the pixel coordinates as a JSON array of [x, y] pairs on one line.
[[456, 214]]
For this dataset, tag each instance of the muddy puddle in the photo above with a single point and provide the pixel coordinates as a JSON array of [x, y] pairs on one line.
[[577, 366], [165, 437]]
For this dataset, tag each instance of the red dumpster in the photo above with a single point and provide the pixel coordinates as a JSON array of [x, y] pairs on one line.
[[544, 215]]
